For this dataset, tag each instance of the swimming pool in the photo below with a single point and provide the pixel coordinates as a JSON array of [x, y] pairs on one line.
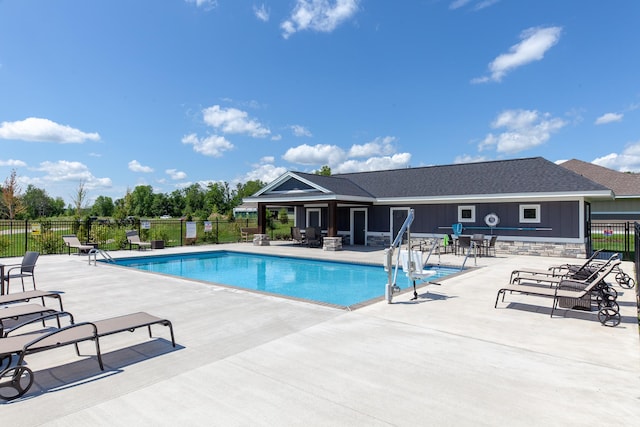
[[331, 282]]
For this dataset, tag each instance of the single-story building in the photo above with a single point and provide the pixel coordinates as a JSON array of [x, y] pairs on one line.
[[533, 205], [625, 186]]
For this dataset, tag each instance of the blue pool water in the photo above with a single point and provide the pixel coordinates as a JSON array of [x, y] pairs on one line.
[[338, 283]]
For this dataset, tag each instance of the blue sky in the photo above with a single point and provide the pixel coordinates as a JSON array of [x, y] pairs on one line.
[[168, 93]]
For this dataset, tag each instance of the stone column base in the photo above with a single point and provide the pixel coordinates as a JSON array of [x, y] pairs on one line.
[[332, 244], [261, 240]]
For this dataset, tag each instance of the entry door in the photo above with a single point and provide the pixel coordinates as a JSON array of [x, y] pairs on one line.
[[313, 217], [359, 227]]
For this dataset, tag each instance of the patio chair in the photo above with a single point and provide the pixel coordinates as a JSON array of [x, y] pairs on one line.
[[464, 244], [24, 269], [490, 246], [72, 241], [134, 239], [296, 236], [573, 290], [312, 236], [16, 379]]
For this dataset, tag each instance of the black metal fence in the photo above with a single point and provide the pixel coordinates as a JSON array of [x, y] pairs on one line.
[[45, 236], [616, 237]]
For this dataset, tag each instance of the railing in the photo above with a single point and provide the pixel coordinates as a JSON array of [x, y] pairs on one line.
[[45, 236], [614, 237]]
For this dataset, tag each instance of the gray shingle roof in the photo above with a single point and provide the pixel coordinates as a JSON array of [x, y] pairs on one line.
[[622, 183], [530, 175]]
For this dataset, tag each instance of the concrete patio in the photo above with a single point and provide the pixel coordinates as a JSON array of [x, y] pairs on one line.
[[245, 358]]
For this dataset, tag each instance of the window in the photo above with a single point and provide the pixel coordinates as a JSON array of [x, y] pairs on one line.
[[530, 213], [466, 214]]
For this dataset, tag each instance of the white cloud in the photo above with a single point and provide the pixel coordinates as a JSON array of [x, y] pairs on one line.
[[485, 4], [457, 4], [176, 174], [535, 43], [524, 129], [65, 171], [318, 15], [378, 154], [627, 161], [135, 166], [267, 159], [213, 145], [263, 172], [44, 130], [13, 163], [262, 13], [376, 147], [609, 118], [397, 161], [204, 4], [276, 137], [465, 158], [320, 154], [232, 120], [300, 130]]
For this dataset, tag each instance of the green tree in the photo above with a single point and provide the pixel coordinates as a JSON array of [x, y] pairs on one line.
[[11, 198], [37, 203], [79, 198], [218, 197], [177, 202], [103, 206], [324, 170], [194, 199], [247, 189], [142, 200]]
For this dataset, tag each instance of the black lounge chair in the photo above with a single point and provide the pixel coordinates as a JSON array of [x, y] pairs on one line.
[[15, 380], [29, 295], [569, 289]]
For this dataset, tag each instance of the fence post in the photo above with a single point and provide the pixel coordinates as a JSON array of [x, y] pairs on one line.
[[26, 235], [181, 231]]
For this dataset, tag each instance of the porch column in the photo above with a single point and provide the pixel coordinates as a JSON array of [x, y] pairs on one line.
[[332, 229], [262, 218]]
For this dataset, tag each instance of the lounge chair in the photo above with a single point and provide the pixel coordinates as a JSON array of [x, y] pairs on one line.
[[15, 380], [24, 269], [29, 295], [17, 311], [72, 241], [134, 239], [555, 274], [573, 290]]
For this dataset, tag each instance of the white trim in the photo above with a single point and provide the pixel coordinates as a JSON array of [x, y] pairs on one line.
[[471, 208], [535, 220], [366, 224]]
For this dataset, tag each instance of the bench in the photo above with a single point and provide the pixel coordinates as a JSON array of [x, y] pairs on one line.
[[246, 233]]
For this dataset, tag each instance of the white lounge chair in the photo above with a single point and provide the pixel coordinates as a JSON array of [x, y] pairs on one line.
[[72, 241]]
